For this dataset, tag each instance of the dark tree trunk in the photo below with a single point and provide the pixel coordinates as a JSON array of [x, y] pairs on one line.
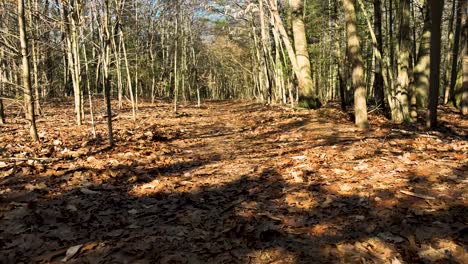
[[2, 112], [455, 51], [378, 81], [436, 8]]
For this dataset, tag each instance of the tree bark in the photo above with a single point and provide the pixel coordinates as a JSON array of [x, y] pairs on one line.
[[289, 48], [422, 69], [71, 18], [2, 110], [378, 81], [354, 49], [436, 7], [464, 104], [461, 11], [401, 112], [380, 59], [26, 73], [106, 75], [307, 92], [35, 62], [129, 76], [448, 62]]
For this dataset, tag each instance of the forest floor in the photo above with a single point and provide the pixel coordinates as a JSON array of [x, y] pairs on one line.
[[234, 182]]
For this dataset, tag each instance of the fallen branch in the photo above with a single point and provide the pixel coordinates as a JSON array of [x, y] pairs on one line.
[[422, 196], [27, 159], [404, 132]]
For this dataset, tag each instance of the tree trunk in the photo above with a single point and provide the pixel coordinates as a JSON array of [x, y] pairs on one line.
[[450, 40], [390, 37], [464, 104], [26, 74], [436, 7], [129, 76], [71, 15], [289, 48], [88, 88], [2, 110], [461, 11], [307, 92], [353, 43], [401, 112], [34, 58], [422, 69], [263, 71], [382, 60], [105, 66], [378, 81]]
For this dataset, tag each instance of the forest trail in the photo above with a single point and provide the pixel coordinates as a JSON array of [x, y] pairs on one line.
[[234, 182]]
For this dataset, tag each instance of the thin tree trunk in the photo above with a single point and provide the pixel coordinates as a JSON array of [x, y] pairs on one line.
[[176, 72], [265, 53], [448, 61], [382, 59], [461, 11], [436, 7], [26, 74], [88, 88], [70, 17], [129, 76], [35, 74], [378, 81], [136, 56], [464, 103], [2, 110], [118, 70], [390, 36], [105, 65], [287, 43]]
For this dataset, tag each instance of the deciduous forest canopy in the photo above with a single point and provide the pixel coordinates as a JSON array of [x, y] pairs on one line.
[[243, 131]]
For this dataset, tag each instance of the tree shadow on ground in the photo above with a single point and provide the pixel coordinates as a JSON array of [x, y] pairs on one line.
[[167, 212], [252, 219]]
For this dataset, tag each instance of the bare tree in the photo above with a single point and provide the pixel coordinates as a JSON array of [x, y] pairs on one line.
[[436, 7], [26, 74]]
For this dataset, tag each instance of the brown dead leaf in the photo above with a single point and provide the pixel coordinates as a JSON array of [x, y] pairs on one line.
[[71, 252]]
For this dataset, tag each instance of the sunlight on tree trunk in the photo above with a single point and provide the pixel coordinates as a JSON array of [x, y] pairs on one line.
[[26, 73], [464, 104], [307, 92], [451, 93], [422, 68], [354, 47], [401, 113]]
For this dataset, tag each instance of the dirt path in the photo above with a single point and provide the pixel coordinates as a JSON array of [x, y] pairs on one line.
[[235, 183]]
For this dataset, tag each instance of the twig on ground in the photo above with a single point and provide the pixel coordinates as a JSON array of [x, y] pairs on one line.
[[27, 159], [417, 195]]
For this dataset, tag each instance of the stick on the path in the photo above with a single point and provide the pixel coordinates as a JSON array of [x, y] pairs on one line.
[[417, 195]]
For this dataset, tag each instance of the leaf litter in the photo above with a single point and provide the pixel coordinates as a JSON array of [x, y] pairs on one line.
[[234, 182]]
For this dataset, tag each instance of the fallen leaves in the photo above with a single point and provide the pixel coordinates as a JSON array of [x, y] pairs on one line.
[[71, 252], [220, 185]]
